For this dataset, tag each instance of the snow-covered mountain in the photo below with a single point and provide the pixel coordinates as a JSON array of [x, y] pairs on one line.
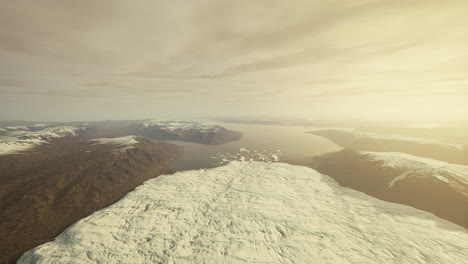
[[435, 148], [20, 138], [435, 186], [366, 135], [254, 212], [414, 166], [191, 131], [181, 125], [414, 139], [48, 189], [124, 142]]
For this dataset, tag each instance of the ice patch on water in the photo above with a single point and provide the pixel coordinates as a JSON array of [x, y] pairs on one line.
[[245, 154]]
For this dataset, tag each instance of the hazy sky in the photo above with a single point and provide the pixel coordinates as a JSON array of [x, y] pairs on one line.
[[120, 59]]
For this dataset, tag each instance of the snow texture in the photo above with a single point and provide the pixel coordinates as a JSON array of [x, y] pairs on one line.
[[124, 142], [20, 138], [179, 125], [420, 140], [245, 154], [419, 167], [254, 212]]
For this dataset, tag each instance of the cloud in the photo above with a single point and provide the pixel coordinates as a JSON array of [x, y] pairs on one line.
[[50, 28], [248, 50], [11, 82]]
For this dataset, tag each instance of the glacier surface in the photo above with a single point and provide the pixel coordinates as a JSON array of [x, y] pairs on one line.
[[254, 212]]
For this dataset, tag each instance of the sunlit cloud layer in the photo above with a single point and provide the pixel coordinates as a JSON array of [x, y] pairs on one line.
[[138, 59]]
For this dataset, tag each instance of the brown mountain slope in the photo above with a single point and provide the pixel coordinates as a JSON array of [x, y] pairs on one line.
[[45, 190], [350, 140], [420, 188]]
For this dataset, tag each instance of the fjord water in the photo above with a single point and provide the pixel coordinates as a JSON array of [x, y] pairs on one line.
[[290, 143]]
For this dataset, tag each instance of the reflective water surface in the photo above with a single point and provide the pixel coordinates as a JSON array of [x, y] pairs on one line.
[[259, 142]]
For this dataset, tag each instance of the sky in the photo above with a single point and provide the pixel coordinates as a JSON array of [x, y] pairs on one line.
[[102, 59]]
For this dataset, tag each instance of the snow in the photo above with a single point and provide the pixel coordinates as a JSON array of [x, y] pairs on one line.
[[125, 142], [254, 212], [420, 140], [40, 125], [223, 158], [17, 128], [20, 138], [419, 167], [179, 125], [401, 177]]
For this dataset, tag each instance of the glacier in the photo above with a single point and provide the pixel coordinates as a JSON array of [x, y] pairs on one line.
[[254, 212]]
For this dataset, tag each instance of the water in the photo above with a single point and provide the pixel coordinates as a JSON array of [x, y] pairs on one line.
[[259, 142]]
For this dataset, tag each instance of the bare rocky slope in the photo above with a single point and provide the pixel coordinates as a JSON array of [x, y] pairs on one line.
[[47, 188]]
